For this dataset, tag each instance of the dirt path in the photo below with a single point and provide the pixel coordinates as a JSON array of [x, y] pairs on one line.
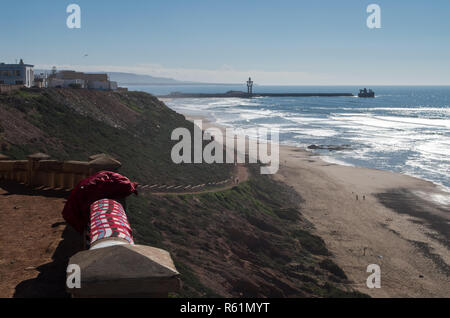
[[240, 175], [35, 243]]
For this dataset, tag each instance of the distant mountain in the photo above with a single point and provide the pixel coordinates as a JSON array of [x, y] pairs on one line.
[[136, 79]]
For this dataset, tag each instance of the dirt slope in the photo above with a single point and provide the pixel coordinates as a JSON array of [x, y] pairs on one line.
[[35, 243]]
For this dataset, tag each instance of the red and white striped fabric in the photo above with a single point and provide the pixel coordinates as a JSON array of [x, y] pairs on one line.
[[108, 219]]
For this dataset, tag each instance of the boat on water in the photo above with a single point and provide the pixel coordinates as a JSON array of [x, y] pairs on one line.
[[366, 93]]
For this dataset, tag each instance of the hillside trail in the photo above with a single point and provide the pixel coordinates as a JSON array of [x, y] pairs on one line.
[[240, 175]]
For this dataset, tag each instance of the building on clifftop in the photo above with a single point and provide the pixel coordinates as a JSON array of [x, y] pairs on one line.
[[65, 79], [17, 74]]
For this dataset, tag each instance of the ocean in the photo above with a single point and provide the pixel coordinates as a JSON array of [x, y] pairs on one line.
[[404, 129]]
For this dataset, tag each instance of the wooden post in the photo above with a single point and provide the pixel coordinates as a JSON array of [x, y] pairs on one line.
[[60, 180], [33, 161], [47, 170], [21, 167], [71, 171], [5, 165]]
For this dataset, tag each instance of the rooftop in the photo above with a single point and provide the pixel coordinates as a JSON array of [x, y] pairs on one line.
[[21, 63]]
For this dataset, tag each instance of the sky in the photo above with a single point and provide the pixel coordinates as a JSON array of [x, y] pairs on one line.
[[277, 42]]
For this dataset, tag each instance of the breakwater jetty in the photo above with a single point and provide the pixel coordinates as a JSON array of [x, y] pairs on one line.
[[238, 94], [250, 94]]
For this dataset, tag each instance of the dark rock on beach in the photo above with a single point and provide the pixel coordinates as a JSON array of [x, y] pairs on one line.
[[330, 147]]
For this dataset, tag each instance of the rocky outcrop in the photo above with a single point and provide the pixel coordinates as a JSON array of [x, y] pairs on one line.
[[330, 147]]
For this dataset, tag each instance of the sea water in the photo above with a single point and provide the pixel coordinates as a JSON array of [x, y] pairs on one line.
[[404, 129]]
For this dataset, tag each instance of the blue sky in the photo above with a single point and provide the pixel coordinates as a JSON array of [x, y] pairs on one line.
[[275, 42]]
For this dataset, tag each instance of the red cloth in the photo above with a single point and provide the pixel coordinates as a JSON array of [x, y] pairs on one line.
[[102, 185]]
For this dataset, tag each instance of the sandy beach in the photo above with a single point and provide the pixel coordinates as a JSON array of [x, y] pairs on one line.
[[369, 216]]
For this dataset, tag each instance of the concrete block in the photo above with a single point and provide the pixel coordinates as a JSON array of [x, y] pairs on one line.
[[125, 271]]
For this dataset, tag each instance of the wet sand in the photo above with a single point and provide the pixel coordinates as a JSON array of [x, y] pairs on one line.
[[369, 216]]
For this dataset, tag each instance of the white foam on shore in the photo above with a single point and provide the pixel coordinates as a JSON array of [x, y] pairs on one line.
[[336, 161], [314, 132], [439, 198]]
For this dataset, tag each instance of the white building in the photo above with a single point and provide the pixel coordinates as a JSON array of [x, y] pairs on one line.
[[66, 83], [113, 85], [17, 74], [65, 79], [41, 80]]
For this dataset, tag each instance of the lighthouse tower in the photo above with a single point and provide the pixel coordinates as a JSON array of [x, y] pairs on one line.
[[250, 86]]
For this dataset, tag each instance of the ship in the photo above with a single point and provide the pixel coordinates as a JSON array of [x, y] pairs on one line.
[[366, 93]]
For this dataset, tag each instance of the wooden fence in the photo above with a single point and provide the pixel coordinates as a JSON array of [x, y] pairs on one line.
[[40, 171]]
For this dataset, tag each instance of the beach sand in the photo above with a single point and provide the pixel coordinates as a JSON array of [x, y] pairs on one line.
[[396, 222]]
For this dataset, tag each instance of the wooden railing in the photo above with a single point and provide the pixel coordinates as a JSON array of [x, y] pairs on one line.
[[39, 171]]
